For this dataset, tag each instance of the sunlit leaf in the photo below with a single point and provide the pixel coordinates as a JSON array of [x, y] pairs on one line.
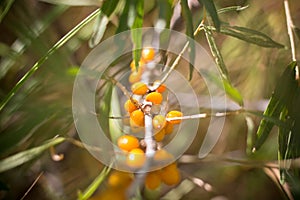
[[4, 7], [211, 9], [94, 185], [136, 32], [27, 155], [249, 35], [187, 15], [282, 97], [105, 107], [107, 9], [75, 3], [115, 124], [52, 50], [232, 8], [223, 83]]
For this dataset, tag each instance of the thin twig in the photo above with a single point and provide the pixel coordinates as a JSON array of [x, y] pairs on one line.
[[32, 185], [290, 26]]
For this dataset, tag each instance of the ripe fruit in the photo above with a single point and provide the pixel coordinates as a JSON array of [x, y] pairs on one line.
[[111, 193], [172, 114], [161, 87], [130, 106], [137, 118], [152, 180], [148, 54], [134, 77], [170, 175], [168, 128], [120, 179], [160, 135], [162, 155], [139, 88], [158, 121], [136, 158], [154, 97], [128, 142], [140, 68]]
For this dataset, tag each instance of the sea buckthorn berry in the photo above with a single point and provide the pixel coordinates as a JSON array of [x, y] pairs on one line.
[[168, 128], [160, 135], [128, 142], [140, 68], [148, 54], [134, 77], [139, 88], [172, 114], [159, 121], [161, 87], [119, 179], [170, 175], [136, 158], [137, 118], [162, 155], [152, 180], [111, 193], [130, 106], [154, 97]]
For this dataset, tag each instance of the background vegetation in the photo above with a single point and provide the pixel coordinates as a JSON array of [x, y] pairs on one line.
[[41, 52]]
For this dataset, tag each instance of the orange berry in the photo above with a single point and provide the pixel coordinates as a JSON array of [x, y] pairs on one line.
[[130, 106], [161, 87], [120, 179], [134, 77], [111, 193], [168, 128], [152, 180], [154, 97], [160, 135], [139, 88], [170, 175], [148, 54], [172, 114], [162, 155], [137, 117], [159, 121], [140, 68], [136, 158], [128, 142]]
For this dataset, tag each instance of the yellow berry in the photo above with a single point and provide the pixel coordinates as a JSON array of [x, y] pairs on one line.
[[158, 121], [130, 106], [139, 88], [170, 175], [161, 87], [120, 179], [154, 97], [152, 180], [172, 114], [128, 142], [134, 77], [168, 128], [136, 158], [137, 118], [112, 193], [162, 155], [148, 54], [160, 135]]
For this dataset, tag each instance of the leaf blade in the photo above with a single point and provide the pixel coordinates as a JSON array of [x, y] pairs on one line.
[[211, 9]]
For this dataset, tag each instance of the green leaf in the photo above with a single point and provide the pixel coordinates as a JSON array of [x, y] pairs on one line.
[[232, 8], [136, 31], [27, 155], [105, 107], [281, 98], [4, 8], [94, 185], [223, 83], [216, 53], [107, 9], [211, 9], [249, 35], [187, 15], [123, 21], [53, 49], [115, 124], [75, 3]]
